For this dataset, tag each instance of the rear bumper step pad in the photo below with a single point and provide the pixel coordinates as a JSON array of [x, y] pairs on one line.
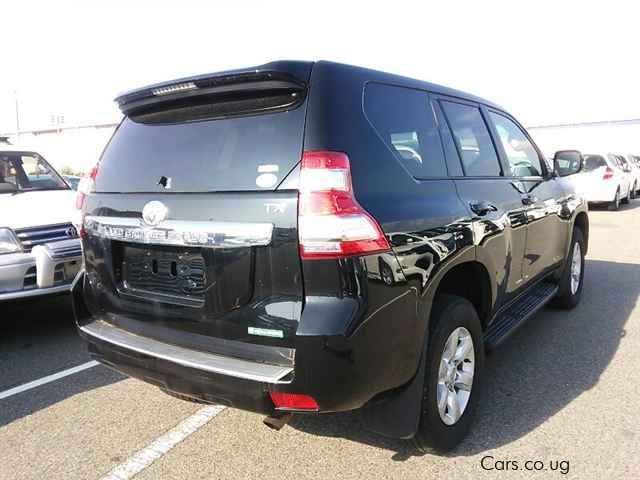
[[208, 362]]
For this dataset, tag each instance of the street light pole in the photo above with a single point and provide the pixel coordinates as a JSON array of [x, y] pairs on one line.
[[15, 95]]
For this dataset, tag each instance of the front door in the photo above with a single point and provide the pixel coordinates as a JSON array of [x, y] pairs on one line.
[[540, 193]]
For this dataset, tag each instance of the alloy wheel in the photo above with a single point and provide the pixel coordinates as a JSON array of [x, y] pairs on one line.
[[455, 375], [576, 268], [387, 276]]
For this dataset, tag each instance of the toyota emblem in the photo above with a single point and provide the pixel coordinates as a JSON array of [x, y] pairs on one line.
[[154, 212]]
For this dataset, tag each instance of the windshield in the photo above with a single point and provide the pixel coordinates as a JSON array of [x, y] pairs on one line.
[[27, 171]]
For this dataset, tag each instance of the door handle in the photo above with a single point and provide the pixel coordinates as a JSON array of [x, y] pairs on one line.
[[482, 208]]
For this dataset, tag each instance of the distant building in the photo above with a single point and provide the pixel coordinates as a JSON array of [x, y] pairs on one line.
[[620, 136], [78, 147]]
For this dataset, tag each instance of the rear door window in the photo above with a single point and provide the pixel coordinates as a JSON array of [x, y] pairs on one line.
[[404, 120], [615, 161], [479, 157]]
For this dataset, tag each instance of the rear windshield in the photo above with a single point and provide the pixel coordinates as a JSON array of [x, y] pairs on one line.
[[593, 162], [183, 153]]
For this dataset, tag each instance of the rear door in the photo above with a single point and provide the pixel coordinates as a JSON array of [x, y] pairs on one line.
[[188, 237], [498, 217]]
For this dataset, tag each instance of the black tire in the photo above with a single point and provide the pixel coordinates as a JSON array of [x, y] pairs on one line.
[[565, 298], [386, 274], [634, 192], [615, 204], [449, 312]]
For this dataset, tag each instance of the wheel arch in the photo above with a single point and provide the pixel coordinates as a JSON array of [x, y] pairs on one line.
[[396, 414], [471, 281], [582, 222]]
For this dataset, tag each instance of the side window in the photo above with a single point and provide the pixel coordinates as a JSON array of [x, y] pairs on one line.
[[8, 181], [38, 173], [623, 164], [521, 155], [448, 144], [404, 120], [472, 137], [615, 160]]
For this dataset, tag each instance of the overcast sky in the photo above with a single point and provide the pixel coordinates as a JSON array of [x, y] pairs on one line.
[[546, 62]]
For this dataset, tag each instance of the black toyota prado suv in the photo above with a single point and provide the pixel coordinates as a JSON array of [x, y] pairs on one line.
[[306, 237]]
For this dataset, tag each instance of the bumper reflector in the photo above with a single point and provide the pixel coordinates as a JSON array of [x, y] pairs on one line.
[[293, 401]]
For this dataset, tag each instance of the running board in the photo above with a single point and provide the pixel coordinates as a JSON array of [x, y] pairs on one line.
[[518, 313]]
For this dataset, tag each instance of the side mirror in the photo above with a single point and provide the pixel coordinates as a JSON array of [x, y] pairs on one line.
[[567, 162]]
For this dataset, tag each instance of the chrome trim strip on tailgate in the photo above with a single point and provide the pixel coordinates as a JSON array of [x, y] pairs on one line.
[[181, 233], [233, 367]]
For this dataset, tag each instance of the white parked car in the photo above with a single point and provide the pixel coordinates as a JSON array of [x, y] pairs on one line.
[[604, 180], [634, 164], [40, 250], [625, 166]]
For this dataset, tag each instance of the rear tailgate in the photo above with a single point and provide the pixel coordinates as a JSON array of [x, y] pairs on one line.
[[188, 238]]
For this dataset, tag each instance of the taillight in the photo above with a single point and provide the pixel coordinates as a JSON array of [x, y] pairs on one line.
[[86, 186], [293, 401], [331, 223], [608, 173]]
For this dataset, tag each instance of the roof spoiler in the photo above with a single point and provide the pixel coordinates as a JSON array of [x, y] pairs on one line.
[[226, 83]]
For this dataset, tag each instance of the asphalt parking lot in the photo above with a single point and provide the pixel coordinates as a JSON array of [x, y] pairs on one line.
[[565, 388]]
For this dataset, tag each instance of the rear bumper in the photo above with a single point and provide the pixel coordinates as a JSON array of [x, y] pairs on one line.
[[47, 269], [340, 373], [195, 359], [602, 192], [190, 381]]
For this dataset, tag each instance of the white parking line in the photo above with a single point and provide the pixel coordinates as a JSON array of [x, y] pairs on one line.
[[47, 379], [159, 447]]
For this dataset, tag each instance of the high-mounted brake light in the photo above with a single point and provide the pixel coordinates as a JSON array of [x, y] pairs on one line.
[[293, 401], [608, 173], [175, 88], [331, 223]]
